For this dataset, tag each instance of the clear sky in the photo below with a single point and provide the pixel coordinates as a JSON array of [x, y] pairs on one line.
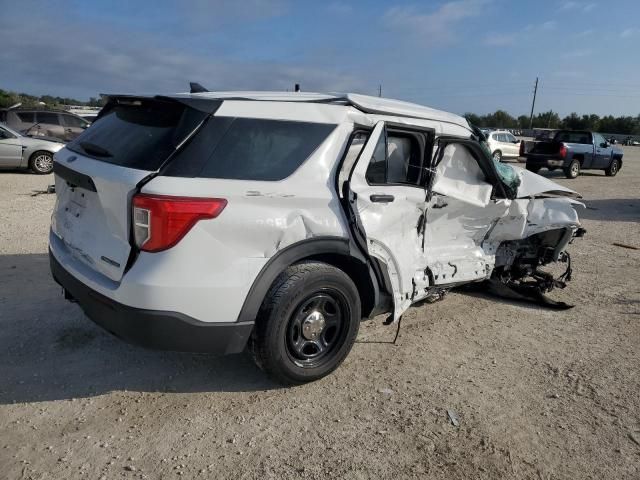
[[462, 55]]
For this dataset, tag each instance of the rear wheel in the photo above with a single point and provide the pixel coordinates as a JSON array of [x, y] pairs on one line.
[[41, 163], [613, 168], [533, 168], [307, 323], [573, 170], [497, 156]]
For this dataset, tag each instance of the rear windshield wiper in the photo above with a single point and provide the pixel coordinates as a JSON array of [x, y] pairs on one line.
[[93, 149]]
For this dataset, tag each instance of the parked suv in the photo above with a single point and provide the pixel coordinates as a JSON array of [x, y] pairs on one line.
[[503, 145], [212, 222], [60, 125]]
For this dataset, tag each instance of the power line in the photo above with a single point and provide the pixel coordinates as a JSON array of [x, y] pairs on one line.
[[533, 104]]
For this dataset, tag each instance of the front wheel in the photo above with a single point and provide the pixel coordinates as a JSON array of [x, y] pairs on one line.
[[41, 163], [573, 170], [613, 168], [307, 323]]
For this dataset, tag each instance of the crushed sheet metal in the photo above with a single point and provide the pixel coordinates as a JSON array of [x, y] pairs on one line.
[[532, 185]]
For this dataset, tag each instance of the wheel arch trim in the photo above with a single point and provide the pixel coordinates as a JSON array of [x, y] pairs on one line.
[[311, 248]]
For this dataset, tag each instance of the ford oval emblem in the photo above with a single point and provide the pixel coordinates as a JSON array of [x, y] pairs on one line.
[[71, 159]]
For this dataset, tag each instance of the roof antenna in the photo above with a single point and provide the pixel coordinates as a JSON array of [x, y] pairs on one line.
[[296, 88], [196, 88]]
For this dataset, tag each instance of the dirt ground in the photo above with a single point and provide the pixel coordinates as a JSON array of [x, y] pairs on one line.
[[539, 394]]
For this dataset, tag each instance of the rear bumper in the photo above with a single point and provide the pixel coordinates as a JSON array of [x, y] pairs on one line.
[[545, 161], [153, 328]]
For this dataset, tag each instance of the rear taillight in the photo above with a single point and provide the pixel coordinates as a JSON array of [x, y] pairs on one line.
[[522, 148], [563, 150], [160, 221]]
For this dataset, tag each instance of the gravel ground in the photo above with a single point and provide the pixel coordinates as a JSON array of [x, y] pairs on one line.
[[539, 394]]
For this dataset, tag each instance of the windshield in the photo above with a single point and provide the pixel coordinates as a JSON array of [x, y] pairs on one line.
[[573, 137], [509, 177], [10, 130]]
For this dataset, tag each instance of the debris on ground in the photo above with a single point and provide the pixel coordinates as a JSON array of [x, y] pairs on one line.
[[49, 189], [453, 418], [624, 245]]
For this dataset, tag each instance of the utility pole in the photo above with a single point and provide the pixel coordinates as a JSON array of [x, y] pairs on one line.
[[533, 104], [380, 90]]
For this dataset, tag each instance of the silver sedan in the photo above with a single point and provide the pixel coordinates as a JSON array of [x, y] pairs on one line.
[[19, 151]]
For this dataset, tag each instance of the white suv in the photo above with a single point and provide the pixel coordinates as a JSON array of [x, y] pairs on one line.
[[210, 222], [503, 145]]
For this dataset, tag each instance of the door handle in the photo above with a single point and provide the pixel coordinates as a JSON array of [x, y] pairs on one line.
[[380, 198]]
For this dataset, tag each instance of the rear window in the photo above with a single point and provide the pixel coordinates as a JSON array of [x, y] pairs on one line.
[[26, 117], [573, 137], [249, 149], [139, 134]]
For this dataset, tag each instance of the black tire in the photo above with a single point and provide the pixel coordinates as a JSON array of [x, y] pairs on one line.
[[533, 168], [280, 343], [613, 168], [497, 156], [41, 162], [573, 170]]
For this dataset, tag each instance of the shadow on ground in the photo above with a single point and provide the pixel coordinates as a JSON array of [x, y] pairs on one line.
[[611, 209], [49, 350]]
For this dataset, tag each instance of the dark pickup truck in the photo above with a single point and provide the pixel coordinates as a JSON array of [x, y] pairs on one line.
[[574, 151]]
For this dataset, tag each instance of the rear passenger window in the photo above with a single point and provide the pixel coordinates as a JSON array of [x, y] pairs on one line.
[[398, 161], [71, 121], [49, 118], [251, 149]]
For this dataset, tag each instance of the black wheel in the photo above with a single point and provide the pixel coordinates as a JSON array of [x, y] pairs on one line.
[[533, 168], [497, 156], [41, 162], [307, 323], [573, 170], [612, 169]]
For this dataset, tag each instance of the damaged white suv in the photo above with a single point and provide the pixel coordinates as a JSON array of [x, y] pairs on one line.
[[211, 222]]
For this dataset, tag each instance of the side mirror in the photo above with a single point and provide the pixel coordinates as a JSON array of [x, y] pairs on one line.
[[604, 144]]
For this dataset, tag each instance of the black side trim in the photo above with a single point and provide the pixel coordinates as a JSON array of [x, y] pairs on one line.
[[74, 178], [286, 257], [153, 328]]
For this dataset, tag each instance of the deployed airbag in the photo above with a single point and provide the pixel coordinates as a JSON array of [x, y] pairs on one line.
[[459, 176]]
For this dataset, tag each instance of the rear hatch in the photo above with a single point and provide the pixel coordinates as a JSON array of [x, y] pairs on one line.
[[98, 173]]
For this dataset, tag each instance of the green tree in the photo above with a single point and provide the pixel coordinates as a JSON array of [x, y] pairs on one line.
[[548, 119], [523, 121], [500, 119], [474, 119]]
